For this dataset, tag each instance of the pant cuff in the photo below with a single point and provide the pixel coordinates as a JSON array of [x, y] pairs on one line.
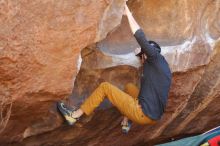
[[84, 109]]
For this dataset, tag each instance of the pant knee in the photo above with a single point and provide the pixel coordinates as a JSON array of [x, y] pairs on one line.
[[128, 86], [105, 85]]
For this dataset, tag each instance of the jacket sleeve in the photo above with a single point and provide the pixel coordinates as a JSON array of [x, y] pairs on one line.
[[148, 49]]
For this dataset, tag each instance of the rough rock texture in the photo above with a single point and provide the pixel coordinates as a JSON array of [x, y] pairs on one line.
[[40, 44], [187, 31], [39, 59]]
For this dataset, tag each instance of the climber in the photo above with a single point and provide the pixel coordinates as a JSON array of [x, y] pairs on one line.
[[144, 106]]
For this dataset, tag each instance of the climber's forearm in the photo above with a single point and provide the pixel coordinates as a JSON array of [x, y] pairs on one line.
[[132, 22], [148, 49]]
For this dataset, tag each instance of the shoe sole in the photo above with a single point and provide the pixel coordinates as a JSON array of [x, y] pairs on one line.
[[69, 120]]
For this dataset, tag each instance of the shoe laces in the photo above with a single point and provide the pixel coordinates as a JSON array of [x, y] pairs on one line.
[[66, 108], [70, 111]]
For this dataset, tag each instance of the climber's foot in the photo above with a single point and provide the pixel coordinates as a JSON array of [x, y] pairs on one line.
[[67, 113], [126, 125]]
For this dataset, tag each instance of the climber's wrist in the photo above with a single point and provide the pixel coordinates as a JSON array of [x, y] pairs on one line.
[[127, 11]]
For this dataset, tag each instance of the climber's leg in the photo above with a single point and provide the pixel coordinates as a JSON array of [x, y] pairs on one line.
[[127, 105], [133, 91]]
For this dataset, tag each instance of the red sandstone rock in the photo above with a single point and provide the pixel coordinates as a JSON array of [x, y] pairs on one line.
[[40, 44]]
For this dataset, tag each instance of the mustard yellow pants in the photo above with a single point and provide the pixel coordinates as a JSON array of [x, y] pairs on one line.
[[126, 102]]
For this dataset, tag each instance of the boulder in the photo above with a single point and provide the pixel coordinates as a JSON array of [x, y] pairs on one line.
[[40, 56]]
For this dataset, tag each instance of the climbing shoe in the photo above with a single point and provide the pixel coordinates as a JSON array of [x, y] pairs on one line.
[[67, 113], [127, 127]]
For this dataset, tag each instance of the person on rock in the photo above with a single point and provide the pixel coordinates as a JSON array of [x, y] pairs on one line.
[[142, 106]]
